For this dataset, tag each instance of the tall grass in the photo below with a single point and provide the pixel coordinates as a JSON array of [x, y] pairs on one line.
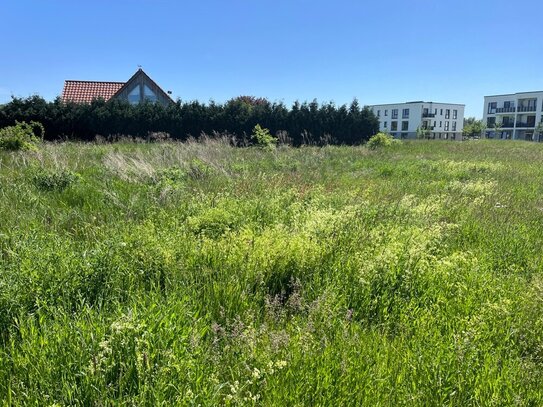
[[202, 274]]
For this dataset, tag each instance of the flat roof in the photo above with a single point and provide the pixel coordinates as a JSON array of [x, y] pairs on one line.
[[417, 102], [516, 93]]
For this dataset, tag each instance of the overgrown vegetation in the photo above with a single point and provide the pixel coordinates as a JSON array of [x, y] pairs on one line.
[[381, 140], [303, 123], [21, 136], [201, 274], [263, 139]]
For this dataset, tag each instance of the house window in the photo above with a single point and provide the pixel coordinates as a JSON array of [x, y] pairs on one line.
[[378, 113], [394, 126], [134, 95], [405, 126], [394, 113], [148, 94], [492, 107], [455, 114], [440, 124], [386, 112], [446, 126], [434, 123], [435, 111], [441, 112], [454, 126], [385, 125], [507, 105], [447, 113], [405, 114], [490, 122]]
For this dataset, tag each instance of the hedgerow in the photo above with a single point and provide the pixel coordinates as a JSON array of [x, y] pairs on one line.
[[303, 123]]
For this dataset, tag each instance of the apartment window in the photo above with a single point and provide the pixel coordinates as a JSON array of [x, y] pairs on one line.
[[454, 126], [507, 104], [403, 135], [394, 113], [447, 113], [378, 113], [394, 126], [490, 122], [405, 114], [385, 125], [492, 107], [508, 121], [441, 112], [434, 123], [435, 111], [386, 112], [446, 126], [455, 114], [440, 124], [405, 126]]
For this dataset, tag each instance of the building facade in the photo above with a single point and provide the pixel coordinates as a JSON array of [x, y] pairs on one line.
[[429, 119], [514, 116], [138, 89]]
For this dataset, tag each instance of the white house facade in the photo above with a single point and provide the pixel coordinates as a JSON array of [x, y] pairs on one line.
[[436, 120], [514, 116]]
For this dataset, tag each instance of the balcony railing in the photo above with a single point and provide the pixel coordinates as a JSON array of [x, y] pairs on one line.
[[525, 124], [508, 125], [526, 109], [424, 115], [505, 110]]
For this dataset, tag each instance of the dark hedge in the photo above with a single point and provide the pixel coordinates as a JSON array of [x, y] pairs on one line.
[[304, 122]]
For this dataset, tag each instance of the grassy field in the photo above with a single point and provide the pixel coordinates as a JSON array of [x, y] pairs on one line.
[[201, 274]]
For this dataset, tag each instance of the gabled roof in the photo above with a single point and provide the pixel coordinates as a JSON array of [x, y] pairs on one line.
[[146, 77], [86, 91]]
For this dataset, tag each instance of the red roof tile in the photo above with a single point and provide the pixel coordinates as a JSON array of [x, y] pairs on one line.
[[86, 91]]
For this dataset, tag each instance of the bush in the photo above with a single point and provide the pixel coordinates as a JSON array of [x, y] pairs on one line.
[[263, 139], [381, 140], [22, 136], [54, 181]]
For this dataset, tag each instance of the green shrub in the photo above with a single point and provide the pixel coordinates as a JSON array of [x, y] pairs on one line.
[[263, 139], [53, 180], [381, 140], [22, 136]]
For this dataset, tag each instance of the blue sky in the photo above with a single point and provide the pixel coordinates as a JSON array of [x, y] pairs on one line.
[[284, 50]]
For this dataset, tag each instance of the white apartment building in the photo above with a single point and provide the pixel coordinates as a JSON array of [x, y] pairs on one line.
[[438, 120], [514, 116]]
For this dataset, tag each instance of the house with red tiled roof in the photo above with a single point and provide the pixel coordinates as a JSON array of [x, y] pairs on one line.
[[139, 88]]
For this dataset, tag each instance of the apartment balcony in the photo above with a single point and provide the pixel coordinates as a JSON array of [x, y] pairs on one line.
[[426, 115], [526, 124], [505, 110], [508, 125], [526, 109]]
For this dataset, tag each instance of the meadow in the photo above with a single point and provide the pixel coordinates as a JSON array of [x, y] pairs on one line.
[[198, 273]]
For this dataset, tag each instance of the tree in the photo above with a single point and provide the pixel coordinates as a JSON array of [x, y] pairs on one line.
[[423, 132], [538, 131], [497, 129], [473, 127]]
